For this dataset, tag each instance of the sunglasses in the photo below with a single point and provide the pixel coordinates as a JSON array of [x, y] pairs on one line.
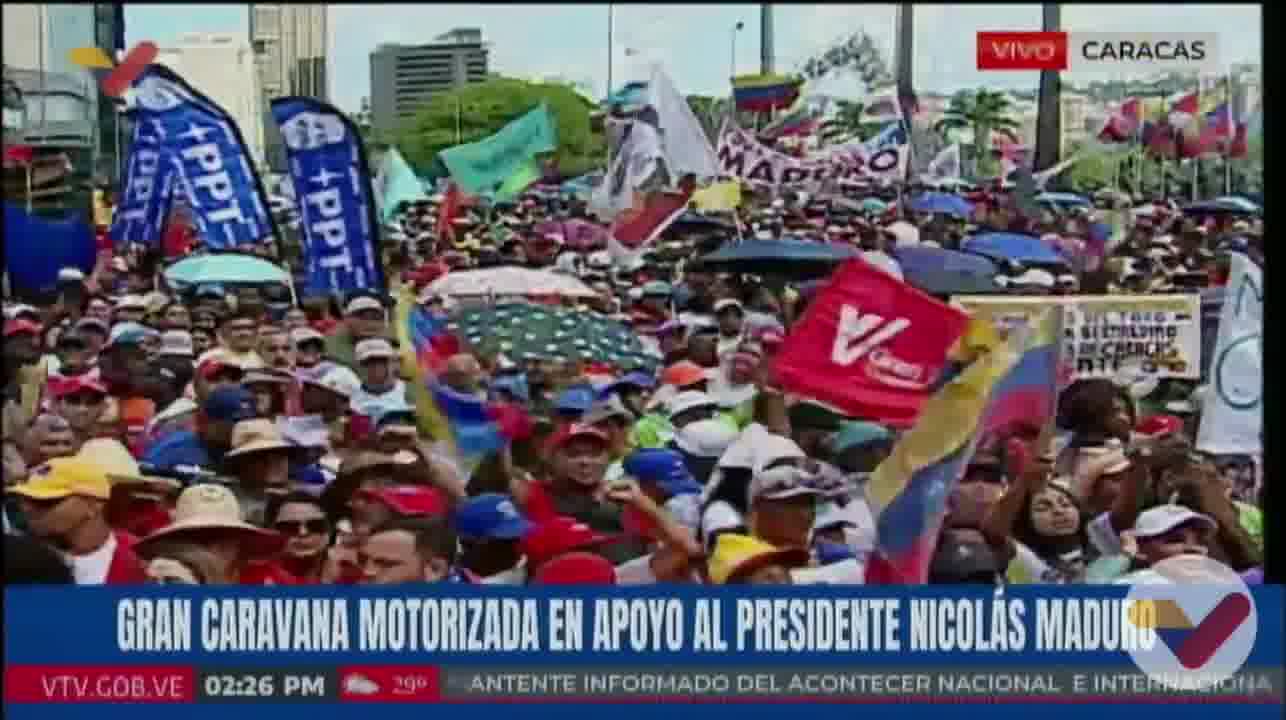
[[315, 526]]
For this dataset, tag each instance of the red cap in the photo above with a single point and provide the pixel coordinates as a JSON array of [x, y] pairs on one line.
[[212, 366], [411, 500], [61, 387], [578, 568], [559, 536], [1157, 425], [571, 431], [14, 327], [683, 374]]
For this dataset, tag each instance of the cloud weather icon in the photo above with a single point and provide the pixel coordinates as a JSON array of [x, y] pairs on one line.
[[356, 684], [309, 130]]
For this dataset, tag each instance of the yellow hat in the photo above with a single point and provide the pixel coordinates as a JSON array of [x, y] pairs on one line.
[[64, 477], [737, 555]]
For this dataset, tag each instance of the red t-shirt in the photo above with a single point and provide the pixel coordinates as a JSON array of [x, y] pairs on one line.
[[126, 567], [266, 572]]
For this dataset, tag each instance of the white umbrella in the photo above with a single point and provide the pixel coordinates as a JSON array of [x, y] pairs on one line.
[[509, 281]]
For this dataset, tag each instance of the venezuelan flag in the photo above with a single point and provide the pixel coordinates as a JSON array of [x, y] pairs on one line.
[[765, 93], [1028, 394], [908, 491], [471, 424]]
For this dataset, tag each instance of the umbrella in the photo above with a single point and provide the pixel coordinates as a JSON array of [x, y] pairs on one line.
[[691, 221], [509, 281], [946, 272], [1062, 200], [1217, 207], [1027, 249], [224, 267], [1248, 205], [874, 206], [786, 257], [940, 203], [530, 332], [579, 235]]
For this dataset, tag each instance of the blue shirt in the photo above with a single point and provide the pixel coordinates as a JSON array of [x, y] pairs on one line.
[[181, 447]]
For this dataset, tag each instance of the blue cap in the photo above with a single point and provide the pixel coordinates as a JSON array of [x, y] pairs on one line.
[[829, 553], [575, 399], [308, 475], [664, 467], [490, 516], [229, 404], [513, 383], [636, 379], [130, 333]]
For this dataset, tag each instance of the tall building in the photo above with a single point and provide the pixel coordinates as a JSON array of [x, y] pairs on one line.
[[61, 98], [404, 77], [222, 66], [291, 45]]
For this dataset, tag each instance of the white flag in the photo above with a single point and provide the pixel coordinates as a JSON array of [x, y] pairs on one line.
[[945, 165], [636, 158], [1044, 176], [1232, 411], [686, 147]]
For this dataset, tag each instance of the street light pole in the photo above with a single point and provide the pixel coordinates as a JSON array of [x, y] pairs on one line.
[[732, 67], [610, 48]]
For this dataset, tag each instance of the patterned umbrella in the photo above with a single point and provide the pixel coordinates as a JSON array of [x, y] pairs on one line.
[[523, 331]]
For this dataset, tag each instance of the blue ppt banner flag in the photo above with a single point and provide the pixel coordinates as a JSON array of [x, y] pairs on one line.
[[150, 179], [137, 652], [329, 170], [213, 167]]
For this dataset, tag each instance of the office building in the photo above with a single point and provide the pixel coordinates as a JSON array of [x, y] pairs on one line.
[[405, 77], [222, 66], [291, 47]]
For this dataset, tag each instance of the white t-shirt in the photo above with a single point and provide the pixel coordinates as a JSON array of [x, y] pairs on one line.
[[92, 569], [374, 405]]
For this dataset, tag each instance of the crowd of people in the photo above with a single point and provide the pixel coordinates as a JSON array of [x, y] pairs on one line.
[[218, 436]]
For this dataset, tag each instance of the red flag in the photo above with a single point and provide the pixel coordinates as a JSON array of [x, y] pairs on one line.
[[1188, 104], [447, 211], [1239, 148], [870, 345], [18, 155], [635, 228]]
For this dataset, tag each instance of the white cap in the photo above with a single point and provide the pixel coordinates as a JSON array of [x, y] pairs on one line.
[[719, 305], [1035, 276], [1066, 279], [763, 235], [70, 273], [14, 311], [689, 400], [338, 379], [781, 483], [177, 342], [706, 438], [609, 407], [1164, 518], [904, 233], [299, 335], [884, 262], [131, 302], [364, 302], [373, 348]]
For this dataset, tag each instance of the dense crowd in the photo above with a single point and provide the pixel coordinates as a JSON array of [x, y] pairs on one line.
[[218, 434]]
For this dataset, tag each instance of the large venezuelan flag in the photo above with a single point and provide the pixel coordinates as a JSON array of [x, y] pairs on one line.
[[473, 426], [908, 491], [1028, 394], [765, 93]]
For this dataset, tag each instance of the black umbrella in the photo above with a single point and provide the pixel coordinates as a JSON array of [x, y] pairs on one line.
[[788, 257], [1217, 207]]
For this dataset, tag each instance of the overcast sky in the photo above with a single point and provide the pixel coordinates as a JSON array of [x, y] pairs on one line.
[[695, 42]]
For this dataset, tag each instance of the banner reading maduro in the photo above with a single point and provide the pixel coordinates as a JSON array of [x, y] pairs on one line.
[[1152, 335]]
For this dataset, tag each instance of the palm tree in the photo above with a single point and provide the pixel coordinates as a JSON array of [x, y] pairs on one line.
[[980, 111], [847, 123]]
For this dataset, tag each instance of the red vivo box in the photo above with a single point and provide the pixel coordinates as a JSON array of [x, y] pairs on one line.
[[1022, 51]]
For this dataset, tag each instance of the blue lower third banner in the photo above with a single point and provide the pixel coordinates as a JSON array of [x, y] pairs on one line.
[[117, 651]]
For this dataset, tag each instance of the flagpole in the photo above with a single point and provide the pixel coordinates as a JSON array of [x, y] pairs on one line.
[[1232, 128]]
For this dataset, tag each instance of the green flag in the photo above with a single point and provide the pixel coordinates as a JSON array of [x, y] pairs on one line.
[[488, 165], [526, 174]]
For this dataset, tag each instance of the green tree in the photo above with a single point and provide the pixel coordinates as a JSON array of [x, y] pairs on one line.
[[980, 111], [477, 111]]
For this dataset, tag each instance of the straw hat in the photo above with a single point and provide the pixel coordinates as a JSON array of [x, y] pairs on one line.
[[255, 436], [214, 507]]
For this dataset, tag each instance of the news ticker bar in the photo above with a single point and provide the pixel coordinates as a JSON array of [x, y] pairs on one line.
[[427, 684]]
